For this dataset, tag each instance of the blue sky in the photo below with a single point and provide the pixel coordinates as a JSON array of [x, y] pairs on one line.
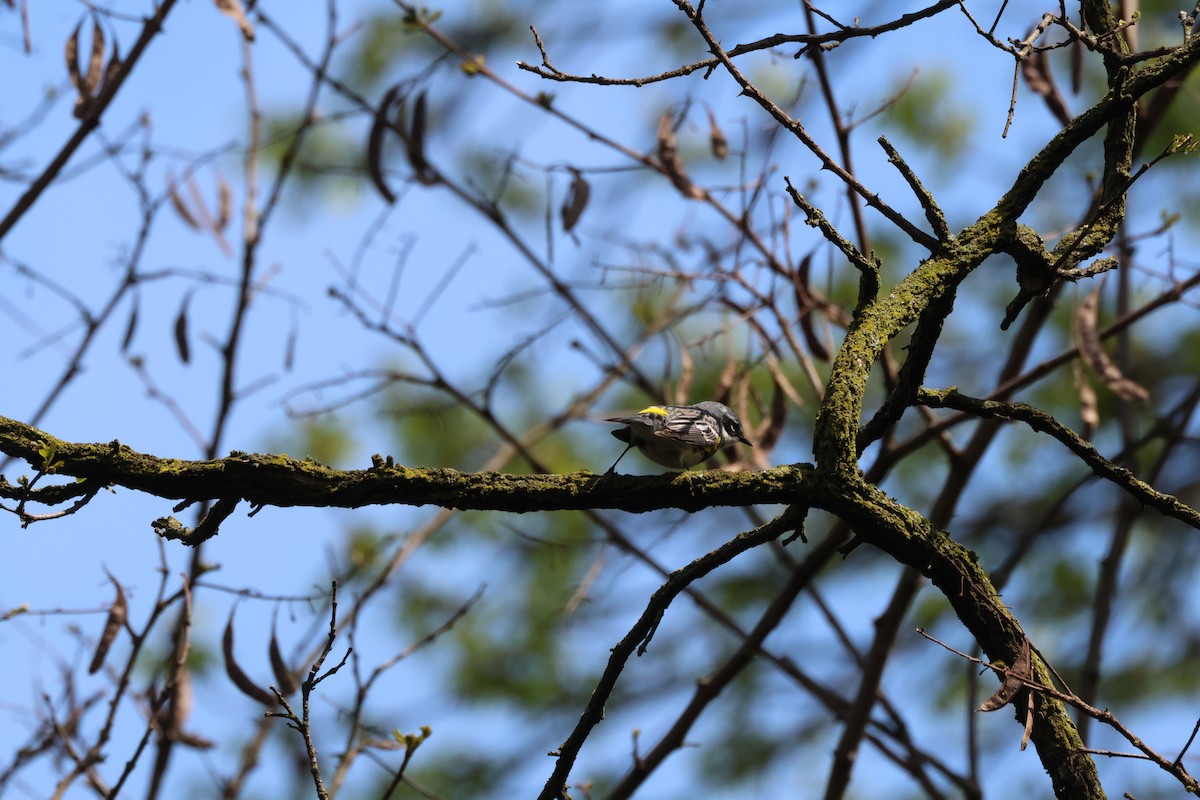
[[189, 82]]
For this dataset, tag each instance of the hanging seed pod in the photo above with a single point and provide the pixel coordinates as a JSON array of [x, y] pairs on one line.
[[717, 141], [1092, 350], [576, 201], [118, 612], [285, 681], [379, 128], [668, 157], [240, 679]]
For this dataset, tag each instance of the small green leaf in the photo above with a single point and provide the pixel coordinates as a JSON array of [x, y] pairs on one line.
[[48, 452]]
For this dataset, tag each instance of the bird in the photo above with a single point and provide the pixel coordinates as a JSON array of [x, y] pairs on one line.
[[679, 437]]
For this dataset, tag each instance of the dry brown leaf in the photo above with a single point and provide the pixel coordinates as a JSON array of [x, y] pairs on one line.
[[1014, 681], [1091, 349]]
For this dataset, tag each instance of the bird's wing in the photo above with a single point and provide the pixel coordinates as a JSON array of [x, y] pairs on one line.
[[698, 428]]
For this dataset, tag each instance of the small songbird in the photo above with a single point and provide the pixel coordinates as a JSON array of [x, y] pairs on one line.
[[680, 437]]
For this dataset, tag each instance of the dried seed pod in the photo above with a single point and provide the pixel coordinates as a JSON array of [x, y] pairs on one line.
[[71, 55], [414, 143], [96, 63], [180, 207], [668, 157], [179, 707], [285, 681], [118, 612], [1092, 350], [379, 128], [224, 203], [113, 67], [240, 679], [576, 201], [233, 9], [131, 326], [800, 288], [717, 141], [1036, 71], [181, 330]]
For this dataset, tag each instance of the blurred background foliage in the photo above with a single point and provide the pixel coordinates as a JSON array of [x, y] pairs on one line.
[[477, 354], [640, 259]]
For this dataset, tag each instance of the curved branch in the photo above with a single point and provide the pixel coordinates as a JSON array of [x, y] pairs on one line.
[[955, 571], [843, 33], [643, 630], [1042, 422]]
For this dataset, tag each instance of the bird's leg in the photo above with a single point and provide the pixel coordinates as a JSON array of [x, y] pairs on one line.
[[623, 452]]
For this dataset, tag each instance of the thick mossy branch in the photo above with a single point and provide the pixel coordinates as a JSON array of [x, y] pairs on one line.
[[836, 437], [927, 294], [278, 480], [912, 373], [911, 539]]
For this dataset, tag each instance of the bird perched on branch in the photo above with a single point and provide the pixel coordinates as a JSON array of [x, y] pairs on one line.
[[680, 437]]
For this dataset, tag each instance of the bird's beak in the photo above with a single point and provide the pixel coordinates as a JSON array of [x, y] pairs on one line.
[[744, 441]]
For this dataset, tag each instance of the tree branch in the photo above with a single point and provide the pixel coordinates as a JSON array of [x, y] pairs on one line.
[[279, 480], [1044, 423]]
